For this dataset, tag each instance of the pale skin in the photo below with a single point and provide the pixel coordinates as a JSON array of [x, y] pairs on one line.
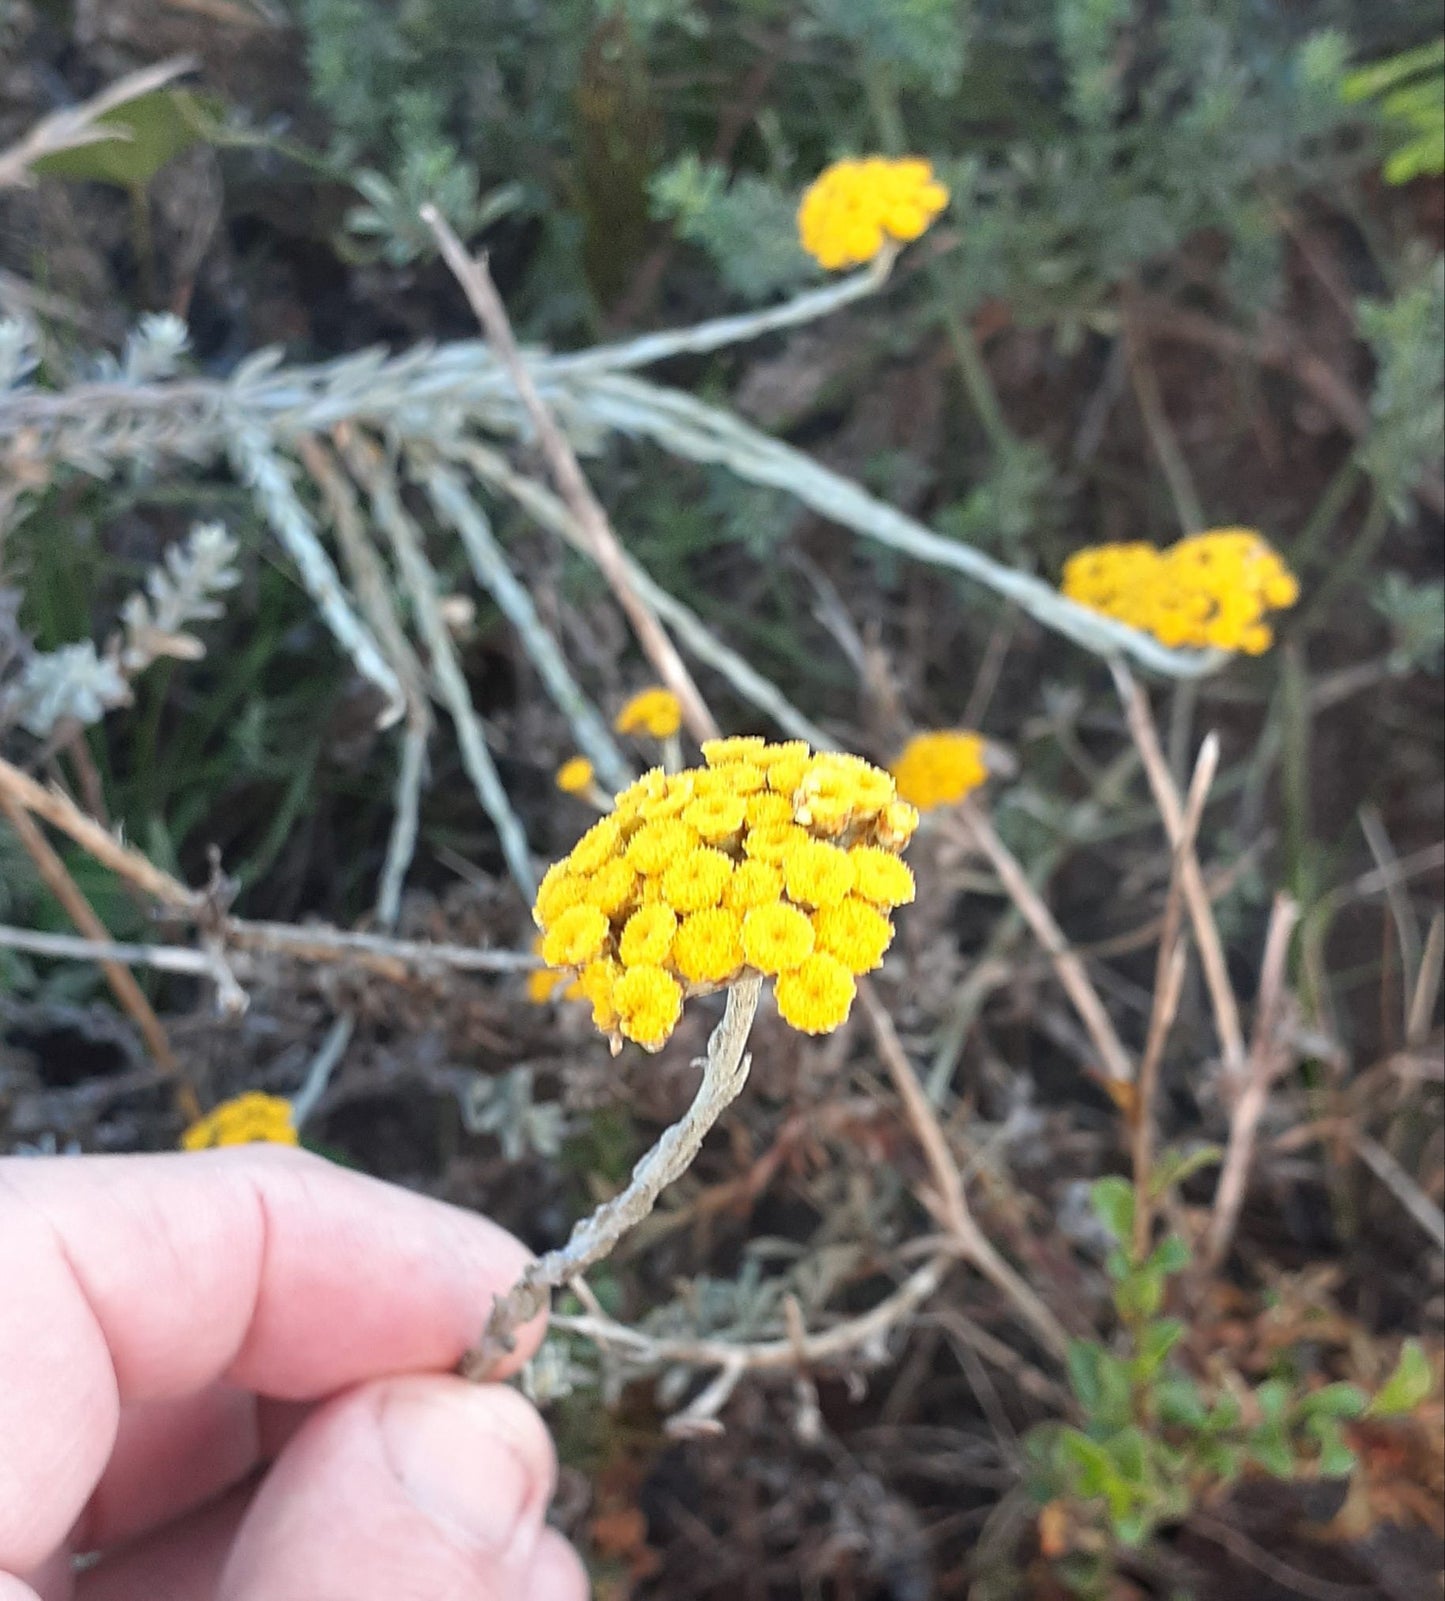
[[229, 1373]]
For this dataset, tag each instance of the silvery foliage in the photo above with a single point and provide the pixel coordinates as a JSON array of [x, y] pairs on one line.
[[18, 354], [79, 683], [503, 1107]]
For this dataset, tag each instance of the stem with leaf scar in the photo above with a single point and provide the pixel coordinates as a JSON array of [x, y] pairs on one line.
[[725, 1071]]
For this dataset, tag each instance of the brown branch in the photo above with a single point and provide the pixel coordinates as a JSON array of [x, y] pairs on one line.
[[948, 1202], [120, 978], [1071, 972], [606, 548]]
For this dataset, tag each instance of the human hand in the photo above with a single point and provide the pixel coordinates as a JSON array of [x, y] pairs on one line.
[[229, 1373]]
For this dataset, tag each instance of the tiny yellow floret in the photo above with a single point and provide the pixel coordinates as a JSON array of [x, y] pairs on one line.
[[648, 1003], [735, 748], [595, 983], [577, 936], [716, 817], [575, 776], [655, 712], [559, 890], [595, 846], [753, 884], [816, 996], [854, 931], [612, 888], [543, 983], [250, 1119], [767, 810], [880, 877], [853, 208], [939, 768], [817, 874], [647, 936], [698, 880], [656, 846], [777, 937], [709, 946]]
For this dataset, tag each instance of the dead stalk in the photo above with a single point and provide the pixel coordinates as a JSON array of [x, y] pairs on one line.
[[1072, 974], [1168, 985], [611, 559], [1196, 897], [120, 978], [1268, 1058]]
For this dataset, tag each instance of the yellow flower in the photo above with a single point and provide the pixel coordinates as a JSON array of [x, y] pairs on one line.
[[855, 932], [736, 748], [817, 874], [698, 880], [575, 776], [250, 1119], [880, 877], [656, 846], [709, 946], [577, 936], [595, 983], [717, 816], [854, 207], [700, 877], [596, 846], [940, 768], [766, 810], [772, 842], [1211, 589], [647, 936], [753, 884], [816, 996], [655, 712], [559, 890], [543, 983], [648, 1003], [897, 823], [777, 937], [612, 888]]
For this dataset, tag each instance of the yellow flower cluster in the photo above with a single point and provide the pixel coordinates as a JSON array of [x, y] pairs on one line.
[[250, 1119], [767, 860], [939, 768], [1211, 589], [853, 208], [574, 776], [655, 712]]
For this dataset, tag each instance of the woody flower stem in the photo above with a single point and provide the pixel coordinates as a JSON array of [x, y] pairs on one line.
[[725, 1071]]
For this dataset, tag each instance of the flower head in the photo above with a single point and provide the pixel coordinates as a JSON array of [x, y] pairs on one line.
[[250, 1119], [575, 776], [655, 712], [854, 208], [1209, 590], [767, 860], [940, 768]]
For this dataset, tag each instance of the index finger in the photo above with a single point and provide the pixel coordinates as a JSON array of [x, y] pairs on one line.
[[137, 1278]]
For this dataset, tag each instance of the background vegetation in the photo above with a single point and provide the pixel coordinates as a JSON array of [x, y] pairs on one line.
[[1190, 277]]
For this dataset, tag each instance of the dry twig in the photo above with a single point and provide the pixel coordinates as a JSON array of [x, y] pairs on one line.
[[607, 550]]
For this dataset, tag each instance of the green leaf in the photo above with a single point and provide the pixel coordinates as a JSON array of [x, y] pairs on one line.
[[1336, 1460], [1113, 1200], [1101, 1382], [1157, 1341], [1270, 1448], [1094, 1467], [1141, 1294], [1177, 1401], [1170, 1256], [1334, 1401], [1375, 79], [1134, 1529], [1406, 1387], [143, 135], [1273, 1399]]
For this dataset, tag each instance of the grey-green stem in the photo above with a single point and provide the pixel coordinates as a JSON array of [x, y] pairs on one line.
[[725, 1071]]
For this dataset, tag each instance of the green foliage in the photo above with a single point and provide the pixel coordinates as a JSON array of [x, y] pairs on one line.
[[1154, 1440], [1409, 89], [921, 41], [1407, 408], [747, 226], [141, 136]]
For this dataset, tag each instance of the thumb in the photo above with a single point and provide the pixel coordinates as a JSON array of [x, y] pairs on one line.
[[407, 1489]]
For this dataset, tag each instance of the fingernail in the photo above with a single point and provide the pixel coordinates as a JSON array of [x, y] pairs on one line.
[[453, 1465]]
